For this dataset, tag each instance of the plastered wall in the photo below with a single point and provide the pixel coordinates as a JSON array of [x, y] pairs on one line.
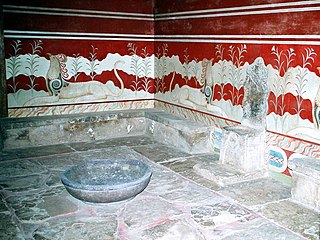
[[232, 34], [81, 56], [142, 54]]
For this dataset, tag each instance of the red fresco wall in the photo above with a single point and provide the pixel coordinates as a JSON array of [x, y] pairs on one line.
[[80, 48], [91, 34], [161, 46], [233, 34]]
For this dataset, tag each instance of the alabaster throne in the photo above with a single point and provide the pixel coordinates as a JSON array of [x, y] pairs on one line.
[[244, 146]]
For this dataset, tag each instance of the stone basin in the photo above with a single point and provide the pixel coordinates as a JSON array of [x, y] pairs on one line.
[[105, 181]]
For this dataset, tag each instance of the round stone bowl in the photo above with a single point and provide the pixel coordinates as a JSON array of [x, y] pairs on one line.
[[105, 181]]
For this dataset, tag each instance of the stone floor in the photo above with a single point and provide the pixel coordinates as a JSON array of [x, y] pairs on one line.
[[179, 203]]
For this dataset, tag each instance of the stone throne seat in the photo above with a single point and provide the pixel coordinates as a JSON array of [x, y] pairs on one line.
[[244, 146]]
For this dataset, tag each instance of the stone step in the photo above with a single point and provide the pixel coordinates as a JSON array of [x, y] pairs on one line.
[[174, 131], [225, 174], [185, 135]]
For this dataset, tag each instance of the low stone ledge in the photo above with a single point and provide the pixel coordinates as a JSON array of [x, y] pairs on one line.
[[169, 129], [174, 131], [49, 130], [306, 181]]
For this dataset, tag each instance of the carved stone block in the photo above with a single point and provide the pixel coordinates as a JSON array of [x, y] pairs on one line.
[[244, 148]]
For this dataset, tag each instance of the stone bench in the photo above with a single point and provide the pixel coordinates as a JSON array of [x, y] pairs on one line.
[[186, 135], [306, 181], [57, 129]]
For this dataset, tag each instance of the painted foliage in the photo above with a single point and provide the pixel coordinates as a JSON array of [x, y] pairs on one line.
[[137, 73], [37, 77], [190, 59], [293, 78], [233, 34]]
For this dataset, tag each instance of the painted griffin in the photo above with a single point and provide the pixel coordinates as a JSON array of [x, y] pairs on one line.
[[58, 88]]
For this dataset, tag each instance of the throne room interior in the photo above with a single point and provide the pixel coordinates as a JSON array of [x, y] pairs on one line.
[[164, 82]]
